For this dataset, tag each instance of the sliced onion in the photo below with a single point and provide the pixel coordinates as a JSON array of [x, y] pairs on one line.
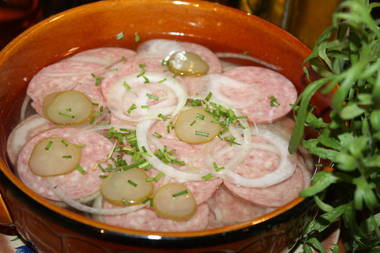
[[24, 107], [249, 58], [216, 81], [283, 171], [120, 106], [174, 201], [142, 130], [84, 208]]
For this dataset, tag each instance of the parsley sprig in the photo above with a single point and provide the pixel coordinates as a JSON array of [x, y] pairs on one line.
[[347, 59]]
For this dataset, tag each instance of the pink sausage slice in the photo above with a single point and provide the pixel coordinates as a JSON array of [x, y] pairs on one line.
[[160, 49], [82, 72], [276, 195], [229, 209], [272, 85], [146, 219], [260, 94], [74, 185]]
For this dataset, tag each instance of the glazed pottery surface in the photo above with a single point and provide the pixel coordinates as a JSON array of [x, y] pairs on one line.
[[53, 229]]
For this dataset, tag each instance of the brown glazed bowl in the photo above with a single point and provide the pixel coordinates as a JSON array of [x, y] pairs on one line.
[[53, 229]]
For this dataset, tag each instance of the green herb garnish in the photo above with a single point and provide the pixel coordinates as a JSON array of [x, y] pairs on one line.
[[167, 156], [98, 79], [184, 192], [163, 117], [347, 60], [126, 85], [200, 133], [208, 176], [153, 97], [131, 108], [48, 145], [273, 101], [132, 183], [80, 169], [70, 116]]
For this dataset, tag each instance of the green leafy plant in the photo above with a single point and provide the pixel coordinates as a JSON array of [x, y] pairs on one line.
[[347, 60]]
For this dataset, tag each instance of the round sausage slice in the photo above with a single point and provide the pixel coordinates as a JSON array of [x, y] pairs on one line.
[[77, 184], [83, 72], [275, 195]]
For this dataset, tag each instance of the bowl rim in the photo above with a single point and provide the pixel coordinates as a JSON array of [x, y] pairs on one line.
[[265, 220]]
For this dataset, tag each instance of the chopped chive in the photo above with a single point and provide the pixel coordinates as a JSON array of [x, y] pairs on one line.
[[246, 53], [208, 176], [180, 193], [146, 79], [163, 117], [144, 165], [131, 108], [208, 97], [193, 122], [67, 156], [150, 199], [142, 73], [66, 115], [200, 116], [48, 146], [137, 37], [273, 101], [132, 183], [194, 102], [162, 80], [153, 97], [126, 85], [169, 127], [119, 36], [103, 176], [216, 167], [200, 133], [155, 178], [145, 106], [113, 69], [123, 58], [64, 143], [68, 109], [127, 202], [231, 140], [98, 79], [157, 135], [142, 66], [80, 169]]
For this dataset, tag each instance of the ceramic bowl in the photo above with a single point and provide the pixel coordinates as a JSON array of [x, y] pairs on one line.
[[53, 229]]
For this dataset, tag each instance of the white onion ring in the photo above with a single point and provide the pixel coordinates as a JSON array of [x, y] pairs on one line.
[[284, 170], [154, 77], [24, 107], [249, 58], [142, 130], [216, 81]]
